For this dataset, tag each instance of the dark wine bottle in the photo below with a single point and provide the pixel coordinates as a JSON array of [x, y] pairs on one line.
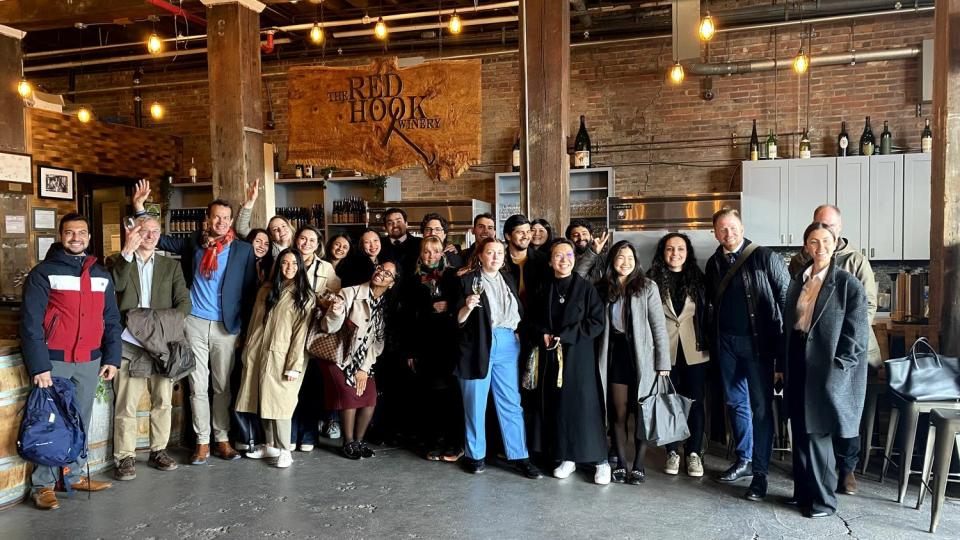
[[754, 143], [926, 139], [805, 145], [515, 156], [843, 141], [886, 140], [581, 146], [867, 140]]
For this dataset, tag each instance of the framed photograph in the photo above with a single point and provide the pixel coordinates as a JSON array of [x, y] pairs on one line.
[[44, 241], [44, 219], [15, 167], [55, 183]]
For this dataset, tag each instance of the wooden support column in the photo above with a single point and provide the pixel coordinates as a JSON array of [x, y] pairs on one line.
[[545, 100], [12, 136], [236, 117], [945, 190]]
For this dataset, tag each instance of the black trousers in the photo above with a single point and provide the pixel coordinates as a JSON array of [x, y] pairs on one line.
[[814, 464], [847, 453], [690, 381]]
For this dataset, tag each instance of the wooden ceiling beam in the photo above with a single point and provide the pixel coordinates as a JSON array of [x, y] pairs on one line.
[[32, 15]]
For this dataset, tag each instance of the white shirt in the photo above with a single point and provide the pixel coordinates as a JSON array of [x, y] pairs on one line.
[[808, 298], [145, 269], [737, 250]]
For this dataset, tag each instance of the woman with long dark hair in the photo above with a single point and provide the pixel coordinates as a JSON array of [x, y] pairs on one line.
[[260, 241], [683, 294], [541, 234], [273, 356], [337, 249], [633, 350], [359, 265], [567, 420], [349, 386]]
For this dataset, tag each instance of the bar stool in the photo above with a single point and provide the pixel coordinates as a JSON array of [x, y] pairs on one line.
[[910, 411], [875, 390], [946, 424]]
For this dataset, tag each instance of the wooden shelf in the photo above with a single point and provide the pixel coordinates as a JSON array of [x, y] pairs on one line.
[[509, 192], [186, 185], [295, 180], [602, 188], [348, 224]]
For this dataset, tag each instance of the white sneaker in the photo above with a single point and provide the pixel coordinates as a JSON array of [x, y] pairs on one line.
[[263, 451], [285, 459], [602, 476], [694, 465], [673, 463], [332, 431], [565, 469], [306, 448]]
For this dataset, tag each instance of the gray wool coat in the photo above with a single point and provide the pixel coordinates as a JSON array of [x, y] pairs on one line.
[[647, 331], [835, 355]]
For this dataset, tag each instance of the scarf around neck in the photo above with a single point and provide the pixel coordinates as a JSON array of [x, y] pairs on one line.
[[213, 246]]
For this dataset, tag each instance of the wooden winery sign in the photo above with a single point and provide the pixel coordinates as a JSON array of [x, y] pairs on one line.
[[381, 118]]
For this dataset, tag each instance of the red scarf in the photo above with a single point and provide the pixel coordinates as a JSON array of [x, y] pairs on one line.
[[213, 247]]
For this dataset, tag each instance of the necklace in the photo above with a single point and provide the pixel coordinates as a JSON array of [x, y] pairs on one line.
[[563, 296]]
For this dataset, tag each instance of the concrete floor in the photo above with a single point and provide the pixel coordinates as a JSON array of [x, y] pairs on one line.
[[398, 495]]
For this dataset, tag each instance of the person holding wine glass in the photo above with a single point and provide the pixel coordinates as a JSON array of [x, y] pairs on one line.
[[488, 313]]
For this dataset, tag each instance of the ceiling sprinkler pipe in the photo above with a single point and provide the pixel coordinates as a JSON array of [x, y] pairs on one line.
[[852, 58]]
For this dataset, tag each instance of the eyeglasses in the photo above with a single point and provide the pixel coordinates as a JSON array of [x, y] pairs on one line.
[[561, 256], [432, 230], [385, 272]]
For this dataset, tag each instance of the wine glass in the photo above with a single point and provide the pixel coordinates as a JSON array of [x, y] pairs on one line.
[[477, 286]]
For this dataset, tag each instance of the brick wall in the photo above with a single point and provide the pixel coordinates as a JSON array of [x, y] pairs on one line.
[[623, 93]]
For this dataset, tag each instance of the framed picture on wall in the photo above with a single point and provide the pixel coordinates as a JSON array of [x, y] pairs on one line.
[[16, 167], [55, 183], [44, 241], [44, 219]]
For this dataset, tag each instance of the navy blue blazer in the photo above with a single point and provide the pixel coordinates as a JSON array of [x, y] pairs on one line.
[[239, 286]]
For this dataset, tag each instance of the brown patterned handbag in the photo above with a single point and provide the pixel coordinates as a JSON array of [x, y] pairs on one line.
[[329, 347]]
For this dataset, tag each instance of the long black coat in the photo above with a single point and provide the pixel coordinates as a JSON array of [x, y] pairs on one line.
[[836, 353], [475, 334], [568, 422]]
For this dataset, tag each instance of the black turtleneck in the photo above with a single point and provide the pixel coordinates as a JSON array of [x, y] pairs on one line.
[[561, 289], [678, 294]]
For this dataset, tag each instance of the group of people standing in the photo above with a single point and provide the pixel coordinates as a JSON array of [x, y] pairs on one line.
[[563, 335]]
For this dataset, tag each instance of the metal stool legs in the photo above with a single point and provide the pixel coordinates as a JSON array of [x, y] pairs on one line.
[[942, 454], [891, 437], [912, 418]]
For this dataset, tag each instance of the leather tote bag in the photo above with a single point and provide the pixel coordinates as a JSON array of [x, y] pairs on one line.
[[663, 414], [924, 375]]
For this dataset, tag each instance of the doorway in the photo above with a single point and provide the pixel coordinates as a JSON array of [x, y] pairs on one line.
[[106, 201]]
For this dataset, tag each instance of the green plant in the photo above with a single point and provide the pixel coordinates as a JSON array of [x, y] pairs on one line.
[[378, 182], [101, 393]]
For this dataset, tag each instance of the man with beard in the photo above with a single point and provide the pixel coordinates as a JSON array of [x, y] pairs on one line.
[[70, 328], [222, 278], [483, 227], [400, 247], [526, 264], [589, 251]]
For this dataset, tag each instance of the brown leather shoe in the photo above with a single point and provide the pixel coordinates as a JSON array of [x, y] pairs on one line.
[[126, 469], [847, 484], [45, 499], [91, 485], [223, 450], [162, 461], [199, 456]]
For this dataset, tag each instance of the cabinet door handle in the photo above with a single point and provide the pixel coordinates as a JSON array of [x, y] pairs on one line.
[[791, 238], [781, 239], [863, 251], [873, 252]]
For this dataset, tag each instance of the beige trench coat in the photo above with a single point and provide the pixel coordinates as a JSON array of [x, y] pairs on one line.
[[271, 350], [681, 331]]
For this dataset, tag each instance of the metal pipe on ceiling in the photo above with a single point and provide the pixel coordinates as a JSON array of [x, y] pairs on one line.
[[753, 66], [428, 26]]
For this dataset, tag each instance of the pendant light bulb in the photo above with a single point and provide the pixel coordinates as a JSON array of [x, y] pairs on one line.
[[156, 111], [316, 34], [801, 62], [380, 30], [365, 19], [154, 44], [24, 88], [84, 115], [456, 25], [707, 28], [676, 73]]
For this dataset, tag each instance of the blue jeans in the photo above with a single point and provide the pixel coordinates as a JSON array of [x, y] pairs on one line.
[[503, 380], [748, 385]]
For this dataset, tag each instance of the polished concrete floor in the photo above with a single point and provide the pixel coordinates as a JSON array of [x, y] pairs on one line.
[[398, 495]]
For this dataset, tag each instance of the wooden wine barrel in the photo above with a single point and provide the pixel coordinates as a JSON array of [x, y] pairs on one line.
[[176, 414], [14, 389]]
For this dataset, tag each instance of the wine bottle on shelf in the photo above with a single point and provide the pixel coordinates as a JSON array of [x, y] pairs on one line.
[[805, 145], [867, 140], [581, 146], [886, 140], [308, 171], [276, 164], [926, 139], [193, 171], [772, 145], [754, 143], [515, 156], [843, 141]]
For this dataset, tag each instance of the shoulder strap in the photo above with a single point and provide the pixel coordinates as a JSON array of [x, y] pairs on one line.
[[732, 272]]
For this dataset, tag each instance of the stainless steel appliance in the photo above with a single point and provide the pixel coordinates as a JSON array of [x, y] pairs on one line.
[[909, 297], [644, 220], [459, 214]]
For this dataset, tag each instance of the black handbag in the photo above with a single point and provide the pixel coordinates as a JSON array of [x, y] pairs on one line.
[[924, 376]]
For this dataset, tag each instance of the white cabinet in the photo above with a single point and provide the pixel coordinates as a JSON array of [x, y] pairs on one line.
[[886, 207], [764, 194], [853, 199], [916, 206], [589, 189], [810, 183], [779, 197]]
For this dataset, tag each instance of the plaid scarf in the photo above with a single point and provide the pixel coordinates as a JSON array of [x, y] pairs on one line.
[[374, 333], [429, 277], [213, 246]]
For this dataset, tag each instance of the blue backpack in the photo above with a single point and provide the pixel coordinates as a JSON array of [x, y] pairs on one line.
[[52, 430]]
